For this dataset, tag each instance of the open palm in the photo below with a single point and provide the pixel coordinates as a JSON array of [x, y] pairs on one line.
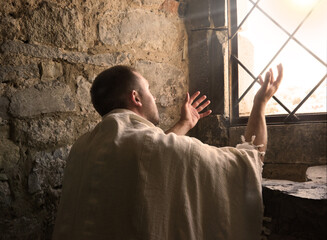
[[190, 112], [269, 86]]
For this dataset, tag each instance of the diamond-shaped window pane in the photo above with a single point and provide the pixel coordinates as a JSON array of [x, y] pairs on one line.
[[246, 104], [258, 41], [243, 7], [313, 33], [288, 13], [316, 103], [301, 73]]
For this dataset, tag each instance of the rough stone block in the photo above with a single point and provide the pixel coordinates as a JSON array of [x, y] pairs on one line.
[[10, 73], [48, 170], [302, 143], [44, 132], [4, 129], [5, 194], [292, 172], [167, 82], [4, 104], [51, 70], [169, 85], [9, 154], [83, 95], [3, 177], [30, 102], [33, 183], [10, 28], [39, 51], [157, 33], [53, 25]]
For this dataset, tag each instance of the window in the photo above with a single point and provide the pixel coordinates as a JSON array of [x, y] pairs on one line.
[[264, 33]]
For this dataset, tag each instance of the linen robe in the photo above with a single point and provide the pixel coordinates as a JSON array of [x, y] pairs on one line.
[[127, 180]]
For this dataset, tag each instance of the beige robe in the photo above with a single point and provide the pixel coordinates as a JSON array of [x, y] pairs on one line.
[[128, 180]]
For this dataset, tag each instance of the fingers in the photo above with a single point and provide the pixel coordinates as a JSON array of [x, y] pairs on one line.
[[199, 101], [280, 69], [272, 79], [260, 80], [267, 80], [280, 74], [187, 98], [203, 106], [207, 113], [270, 76], [194, 96], [267, 76], [198, 104]]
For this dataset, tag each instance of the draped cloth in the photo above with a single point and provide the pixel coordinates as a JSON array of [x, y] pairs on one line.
[[129, 180]]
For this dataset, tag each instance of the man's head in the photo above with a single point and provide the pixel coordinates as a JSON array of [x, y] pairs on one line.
[[123, 87]]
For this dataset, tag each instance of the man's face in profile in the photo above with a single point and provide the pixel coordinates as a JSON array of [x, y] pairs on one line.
[[149, 107]]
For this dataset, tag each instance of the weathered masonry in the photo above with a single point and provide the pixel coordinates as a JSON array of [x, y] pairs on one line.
[[51, 51]]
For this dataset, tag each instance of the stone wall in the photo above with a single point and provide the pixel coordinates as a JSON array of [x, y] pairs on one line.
[[50, 52], [291, 149]]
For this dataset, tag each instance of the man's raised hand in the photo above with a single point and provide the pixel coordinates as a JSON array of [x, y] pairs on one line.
[[269, 86], [190, 113], [191, 109], [257, 122]]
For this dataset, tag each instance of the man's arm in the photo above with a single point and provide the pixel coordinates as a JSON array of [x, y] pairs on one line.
[[257, 122], [190, 114]]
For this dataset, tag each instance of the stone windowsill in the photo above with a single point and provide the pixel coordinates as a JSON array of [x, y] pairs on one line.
[[314, 188]]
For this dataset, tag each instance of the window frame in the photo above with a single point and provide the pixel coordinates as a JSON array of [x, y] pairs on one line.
[[233, 65]]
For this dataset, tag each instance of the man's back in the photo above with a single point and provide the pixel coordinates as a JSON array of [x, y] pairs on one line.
[[128, 180]]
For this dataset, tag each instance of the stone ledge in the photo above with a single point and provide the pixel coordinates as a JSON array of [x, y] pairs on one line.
[[309, 190], [41, 51], [292, 172], [316, 190]]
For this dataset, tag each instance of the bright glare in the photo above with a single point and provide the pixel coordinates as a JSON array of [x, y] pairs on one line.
[[305, 3], [260, 39]]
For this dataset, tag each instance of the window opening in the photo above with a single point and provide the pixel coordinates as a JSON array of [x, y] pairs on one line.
[[266, 32]]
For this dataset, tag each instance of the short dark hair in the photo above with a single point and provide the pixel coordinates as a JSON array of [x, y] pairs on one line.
[[110, 88]]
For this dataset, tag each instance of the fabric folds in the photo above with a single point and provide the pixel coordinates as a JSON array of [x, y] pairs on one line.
[[127, 179]]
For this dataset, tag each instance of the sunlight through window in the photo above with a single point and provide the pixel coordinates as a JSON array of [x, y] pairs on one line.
[[287, 32]]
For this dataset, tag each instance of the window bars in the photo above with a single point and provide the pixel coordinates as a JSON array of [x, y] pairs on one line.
[[235, 62]]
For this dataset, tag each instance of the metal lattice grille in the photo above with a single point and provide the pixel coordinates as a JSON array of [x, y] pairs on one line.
[[241, 64]]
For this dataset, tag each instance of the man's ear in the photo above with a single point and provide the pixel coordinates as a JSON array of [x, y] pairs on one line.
[[135, 99]]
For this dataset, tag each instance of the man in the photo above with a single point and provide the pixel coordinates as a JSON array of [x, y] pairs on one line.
[[127, 179]]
